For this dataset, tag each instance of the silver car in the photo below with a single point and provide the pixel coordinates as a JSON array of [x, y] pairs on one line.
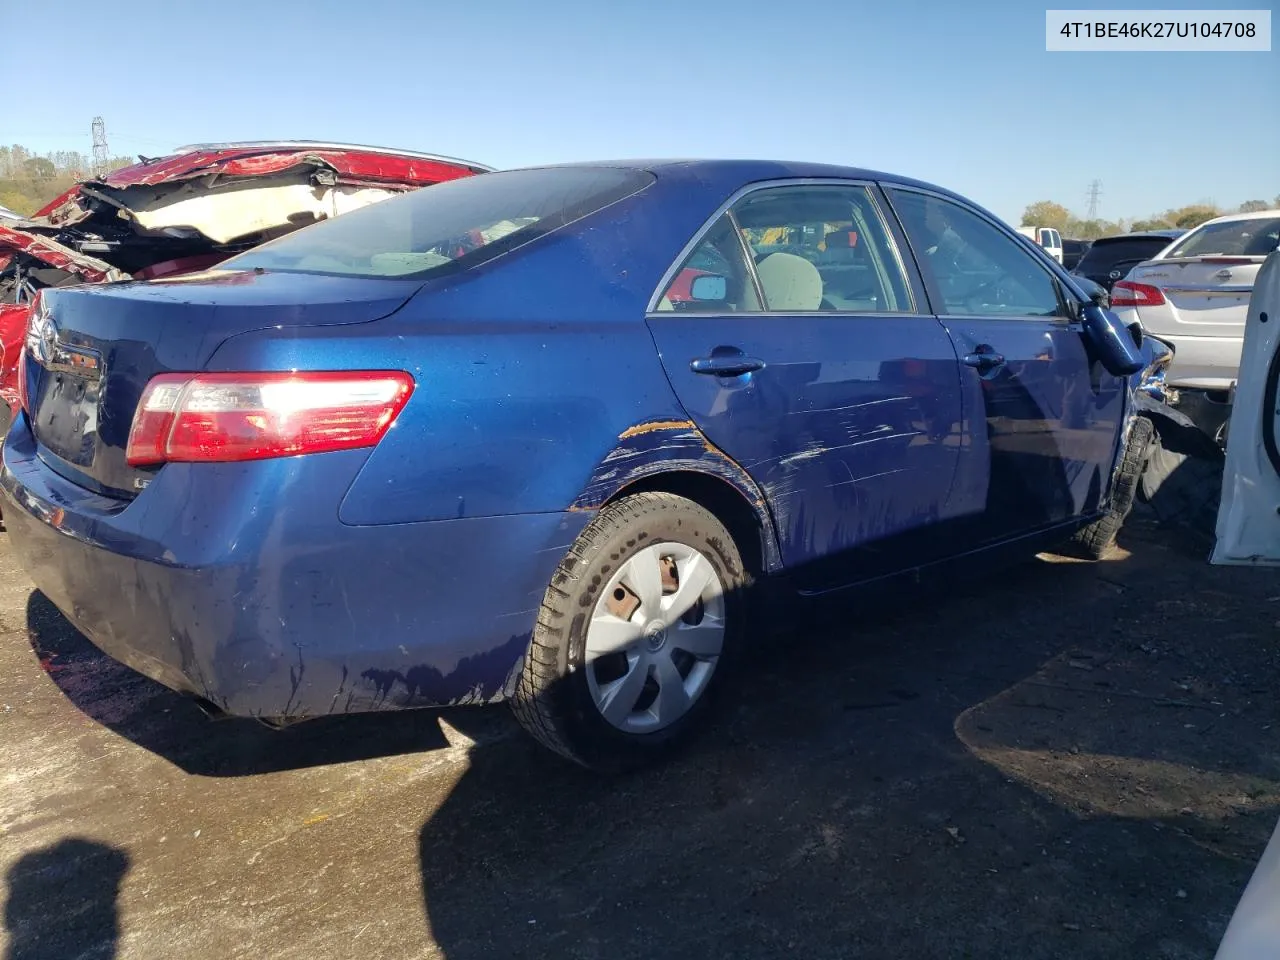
[[1195, 294]]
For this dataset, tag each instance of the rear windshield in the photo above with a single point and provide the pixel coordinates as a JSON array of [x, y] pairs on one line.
[[448, 226], [1104, 253], [1235, 238]]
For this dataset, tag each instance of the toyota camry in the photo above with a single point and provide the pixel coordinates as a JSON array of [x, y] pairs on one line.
[[545, 435]]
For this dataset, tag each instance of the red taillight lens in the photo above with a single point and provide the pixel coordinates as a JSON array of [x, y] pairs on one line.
[[1127, 293], [211, 417], [153, 420], [24, 399]]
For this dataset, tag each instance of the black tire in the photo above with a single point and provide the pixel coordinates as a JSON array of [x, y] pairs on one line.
[[1094, 541], [552, 699]]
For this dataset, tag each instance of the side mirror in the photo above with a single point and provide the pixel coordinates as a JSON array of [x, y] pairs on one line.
[[709, 288], [1112, 343], [1096, 292]]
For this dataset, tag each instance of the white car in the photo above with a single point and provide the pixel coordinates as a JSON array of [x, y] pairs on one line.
[[1248, 533], [1248, 528], [1254, 931], [1195, 293]]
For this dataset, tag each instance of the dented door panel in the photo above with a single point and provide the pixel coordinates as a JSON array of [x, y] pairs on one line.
[[852, 429]]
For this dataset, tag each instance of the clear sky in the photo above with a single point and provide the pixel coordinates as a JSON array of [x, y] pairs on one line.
[[960, 94]]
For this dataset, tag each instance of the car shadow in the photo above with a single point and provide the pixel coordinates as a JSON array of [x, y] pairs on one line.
[[172, 726], [175, 727], [947, 766], [62, 901], [1026, 766], [1181, 486]]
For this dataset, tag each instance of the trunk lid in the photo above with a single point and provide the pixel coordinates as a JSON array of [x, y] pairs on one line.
[[91, 351], [1207, 296]]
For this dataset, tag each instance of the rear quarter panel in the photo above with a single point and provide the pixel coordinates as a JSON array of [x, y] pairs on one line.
[[539, 388]]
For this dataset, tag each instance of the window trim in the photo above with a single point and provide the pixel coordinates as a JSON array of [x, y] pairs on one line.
[[922, 301], [888, 219], [748, 258], [1068, 302]]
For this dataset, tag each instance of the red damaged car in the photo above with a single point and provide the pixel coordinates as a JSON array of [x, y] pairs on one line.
[[188, 211]]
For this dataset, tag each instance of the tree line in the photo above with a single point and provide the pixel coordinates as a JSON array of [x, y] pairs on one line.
[[29, 180], [1046, 213]]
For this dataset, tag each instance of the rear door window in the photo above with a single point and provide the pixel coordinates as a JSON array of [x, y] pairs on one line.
[[446, 227], [819, 247], [803, 248], [715, 278]]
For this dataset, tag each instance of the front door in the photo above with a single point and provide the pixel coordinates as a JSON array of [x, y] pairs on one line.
[[1053, 414], [1248, 529], [797, 344]]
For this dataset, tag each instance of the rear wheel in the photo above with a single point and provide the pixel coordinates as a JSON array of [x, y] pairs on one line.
[[1094, 541], [633, 633]]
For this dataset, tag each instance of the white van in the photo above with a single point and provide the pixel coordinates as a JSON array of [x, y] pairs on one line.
[[1047, 237]]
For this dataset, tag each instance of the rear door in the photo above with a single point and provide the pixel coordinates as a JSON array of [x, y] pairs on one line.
[[1208, 275], [797, 343], [1053, 415]]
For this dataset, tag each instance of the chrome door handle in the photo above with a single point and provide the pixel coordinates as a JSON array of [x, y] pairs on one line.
[[984, 361], [731, 366]]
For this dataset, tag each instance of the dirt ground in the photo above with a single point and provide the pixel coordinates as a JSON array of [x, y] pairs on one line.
[[1066, 760]]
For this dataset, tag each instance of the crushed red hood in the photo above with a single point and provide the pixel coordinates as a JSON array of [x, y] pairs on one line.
[[188, 211], [349, 164]]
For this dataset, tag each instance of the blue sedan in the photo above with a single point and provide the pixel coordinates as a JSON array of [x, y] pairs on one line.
[[544, 434]]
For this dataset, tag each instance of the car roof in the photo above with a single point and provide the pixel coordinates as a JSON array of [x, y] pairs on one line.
[[1236, 217], [744, 171], [1142, 235]]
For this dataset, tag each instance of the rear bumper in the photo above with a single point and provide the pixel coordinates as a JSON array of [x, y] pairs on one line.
[[238, 583], [1202, 363]]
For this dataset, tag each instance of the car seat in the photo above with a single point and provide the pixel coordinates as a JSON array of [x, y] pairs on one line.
[[790, 282]]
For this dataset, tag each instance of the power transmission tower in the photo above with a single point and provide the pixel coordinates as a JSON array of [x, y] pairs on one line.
[[100, 157], [1095, 191]]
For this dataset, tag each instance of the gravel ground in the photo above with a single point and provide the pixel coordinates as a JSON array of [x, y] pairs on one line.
[[1067, 759]]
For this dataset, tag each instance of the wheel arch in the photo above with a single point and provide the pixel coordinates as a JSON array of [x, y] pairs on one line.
[[748, 523], [673, 456]]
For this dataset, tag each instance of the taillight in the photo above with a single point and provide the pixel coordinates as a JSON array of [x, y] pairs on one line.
[[219, 417], [1127, 293], [24, 401], [1227, 261]]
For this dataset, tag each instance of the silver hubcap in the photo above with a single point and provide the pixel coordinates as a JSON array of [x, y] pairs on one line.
[[654, 638]]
